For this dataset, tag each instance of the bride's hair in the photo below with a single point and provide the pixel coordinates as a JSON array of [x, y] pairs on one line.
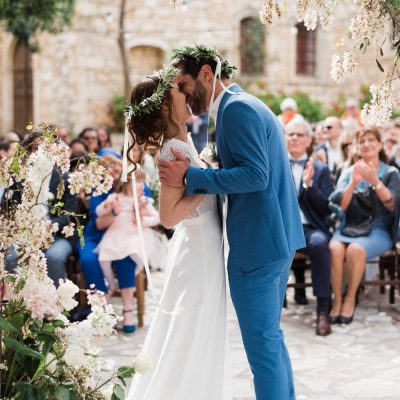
[[148, 128]]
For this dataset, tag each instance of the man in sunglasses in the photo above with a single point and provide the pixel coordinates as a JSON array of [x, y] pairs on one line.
[[329, 152], [313, 184]]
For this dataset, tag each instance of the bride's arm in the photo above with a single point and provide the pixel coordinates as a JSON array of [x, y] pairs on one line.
[[175, 205]]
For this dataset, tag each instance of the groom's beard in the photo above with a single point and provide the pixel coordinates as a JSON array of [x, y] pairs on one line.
[[197, 99]]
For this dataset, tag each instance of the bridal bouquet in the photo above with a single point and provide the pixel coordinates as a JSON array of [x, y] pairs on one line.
[[43, 355]]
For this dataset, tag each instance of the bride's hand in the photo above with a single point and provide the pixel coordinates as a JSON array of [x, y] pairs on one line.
[[171, 172]]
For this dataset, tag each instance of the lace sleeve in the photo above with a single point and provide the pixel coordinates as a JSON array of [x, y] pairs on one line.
[[166, 154]]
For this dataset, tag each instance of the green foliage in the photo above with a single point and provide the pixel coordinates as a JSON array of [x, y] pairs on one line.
[[24, 19], [117, 107], [310, 109]]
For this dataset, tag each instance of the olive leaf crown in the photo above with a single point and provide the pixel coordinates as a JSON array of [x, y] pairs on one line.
[[203, 54], [166, 77]]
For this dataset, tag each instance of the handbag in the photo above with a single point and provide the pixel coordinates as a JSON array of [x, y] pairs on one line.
[[360, 213]]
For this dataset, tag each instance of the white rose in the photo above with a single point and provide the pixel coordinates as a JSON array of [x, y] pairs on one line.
[[75, 357], [66, 291], [142, 364]]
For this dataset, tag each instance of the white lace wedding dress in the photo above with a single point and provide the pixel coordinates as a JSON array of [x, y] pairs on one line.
[[187, 339]]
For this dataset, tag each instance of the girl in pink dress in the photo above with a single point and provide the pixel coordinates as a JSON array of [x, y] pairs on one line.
[[121, 239]]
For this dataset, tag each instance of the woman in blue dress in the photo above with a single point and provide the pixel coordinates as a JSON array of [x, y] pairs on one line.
[[370, 172], [93, 233]]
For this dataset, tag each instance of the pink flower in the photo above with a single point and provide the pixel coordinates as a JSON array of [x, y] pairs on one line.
[[42, 299]]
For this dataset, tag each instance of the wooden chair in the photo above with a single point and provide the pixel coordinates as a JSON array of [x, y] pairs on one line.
[[300, 260], [389, 274]]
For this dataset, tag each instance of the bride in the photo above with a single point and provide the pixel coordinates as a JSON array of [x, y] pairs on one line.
[[187, 339]]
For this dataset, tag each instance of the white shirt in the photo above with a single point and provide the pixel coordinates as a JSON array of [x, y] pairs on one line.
[[215, 106], [297, 172]]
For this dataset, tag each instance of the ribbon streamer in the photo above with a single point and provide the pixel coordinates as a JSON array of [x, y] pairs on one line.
[[124, 178]]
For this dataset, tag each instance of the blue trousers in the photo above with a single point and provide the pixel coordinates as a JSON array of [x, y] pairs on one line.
[[93, 273], [258, 299], [317, 249], [56, 256]]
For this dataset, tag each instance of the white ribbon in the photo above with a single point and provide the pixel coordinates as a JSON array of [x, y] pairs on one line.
[[124, 178], [217, 74]]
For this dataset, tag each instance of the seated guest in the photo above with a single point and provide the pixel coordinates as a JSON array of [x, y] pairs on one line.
[[104, 137], [91, 138], [78, 146], [365, 200], [329, 152], [122, 236], [314, 185], [93, 233]]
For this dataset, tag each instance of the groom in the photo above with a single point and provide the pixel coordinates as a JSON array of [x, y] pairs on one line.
[[263, 222]]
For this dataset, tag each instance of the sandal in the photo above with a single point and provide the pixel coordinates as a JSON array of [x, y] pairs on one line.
[[128, 328]]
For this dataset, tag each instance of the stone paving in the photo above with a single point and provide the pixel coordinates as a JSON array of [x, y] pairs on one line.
[[360, 361]]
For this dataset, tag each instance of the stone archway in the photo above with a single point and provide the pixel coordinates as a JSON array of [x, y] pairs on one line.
[[22, 87]]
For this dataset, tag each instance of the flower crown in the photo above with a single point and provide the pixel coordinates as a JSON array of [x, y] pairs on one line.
[[202, 54], [166, 77]]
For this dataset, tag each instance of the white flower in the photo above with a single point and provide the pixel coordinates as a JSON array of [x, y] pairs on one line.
[[102, 322], [142, 363], [74, 357], [68, 230], [41, 298], [209, 155], [66, 291]]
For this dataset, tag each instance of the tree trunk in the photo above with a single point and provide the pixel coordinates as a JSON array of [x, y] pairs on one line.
[[122, 49]]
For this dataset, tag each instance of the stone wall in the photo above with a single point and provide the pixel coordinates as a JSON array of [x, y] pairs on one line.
[[77, 73]]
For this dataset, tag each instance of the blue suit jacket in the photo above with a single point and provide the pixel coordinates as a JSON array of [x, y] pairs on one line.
[[263, 222], [314, 201]]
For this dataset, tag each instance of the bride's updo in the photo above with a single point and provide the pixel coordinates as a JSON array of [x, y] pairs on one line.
[[147, 128]]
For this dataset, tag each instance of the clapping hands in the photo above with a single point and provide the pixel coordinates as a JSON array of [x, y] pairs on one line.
[[308, 173], [366, 171]]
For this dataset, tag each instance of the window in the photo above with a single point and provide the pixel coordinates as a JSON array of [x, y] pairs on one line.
[[252, 46], [305, 51]]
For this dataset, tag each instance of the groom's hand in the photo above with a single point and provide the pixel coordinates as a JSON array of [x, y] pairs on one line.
[[171, 173]]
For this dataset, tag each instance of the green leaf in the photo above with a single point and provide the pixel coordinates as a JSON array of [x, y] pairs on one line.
[[21, 348], [73, 395], [7, 326], [62, 393], [126, 372], [118, 393], [25, 391]]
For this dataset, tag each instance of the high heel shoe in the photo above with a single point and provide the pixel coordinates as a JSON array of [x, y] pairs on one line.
[[335, 319], [128, 328], [346, 320]]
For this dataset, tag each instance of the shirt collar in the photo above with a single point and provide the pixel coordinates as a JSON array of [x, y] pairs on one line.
[[217, 102], [302, 158]]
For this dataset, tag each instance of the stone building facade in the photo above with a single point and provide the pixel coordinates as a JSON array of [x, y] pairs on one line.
[[73, 78]]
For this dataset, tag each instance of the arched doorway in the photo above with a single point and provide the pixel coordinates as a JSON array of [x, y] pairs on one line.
[[23, 87], [144, 60]]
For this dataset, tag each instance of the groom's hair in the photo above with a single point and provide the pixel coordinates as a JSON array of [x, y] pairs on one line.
[[189, 65]]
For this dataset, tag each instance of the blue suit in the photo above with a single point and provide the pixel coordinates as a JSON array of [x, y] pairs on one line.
[[313, 203], [263, 227]]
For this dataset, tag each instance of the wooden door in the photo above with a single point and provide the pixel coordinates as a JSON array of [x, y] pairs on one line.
[[23, 88]]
